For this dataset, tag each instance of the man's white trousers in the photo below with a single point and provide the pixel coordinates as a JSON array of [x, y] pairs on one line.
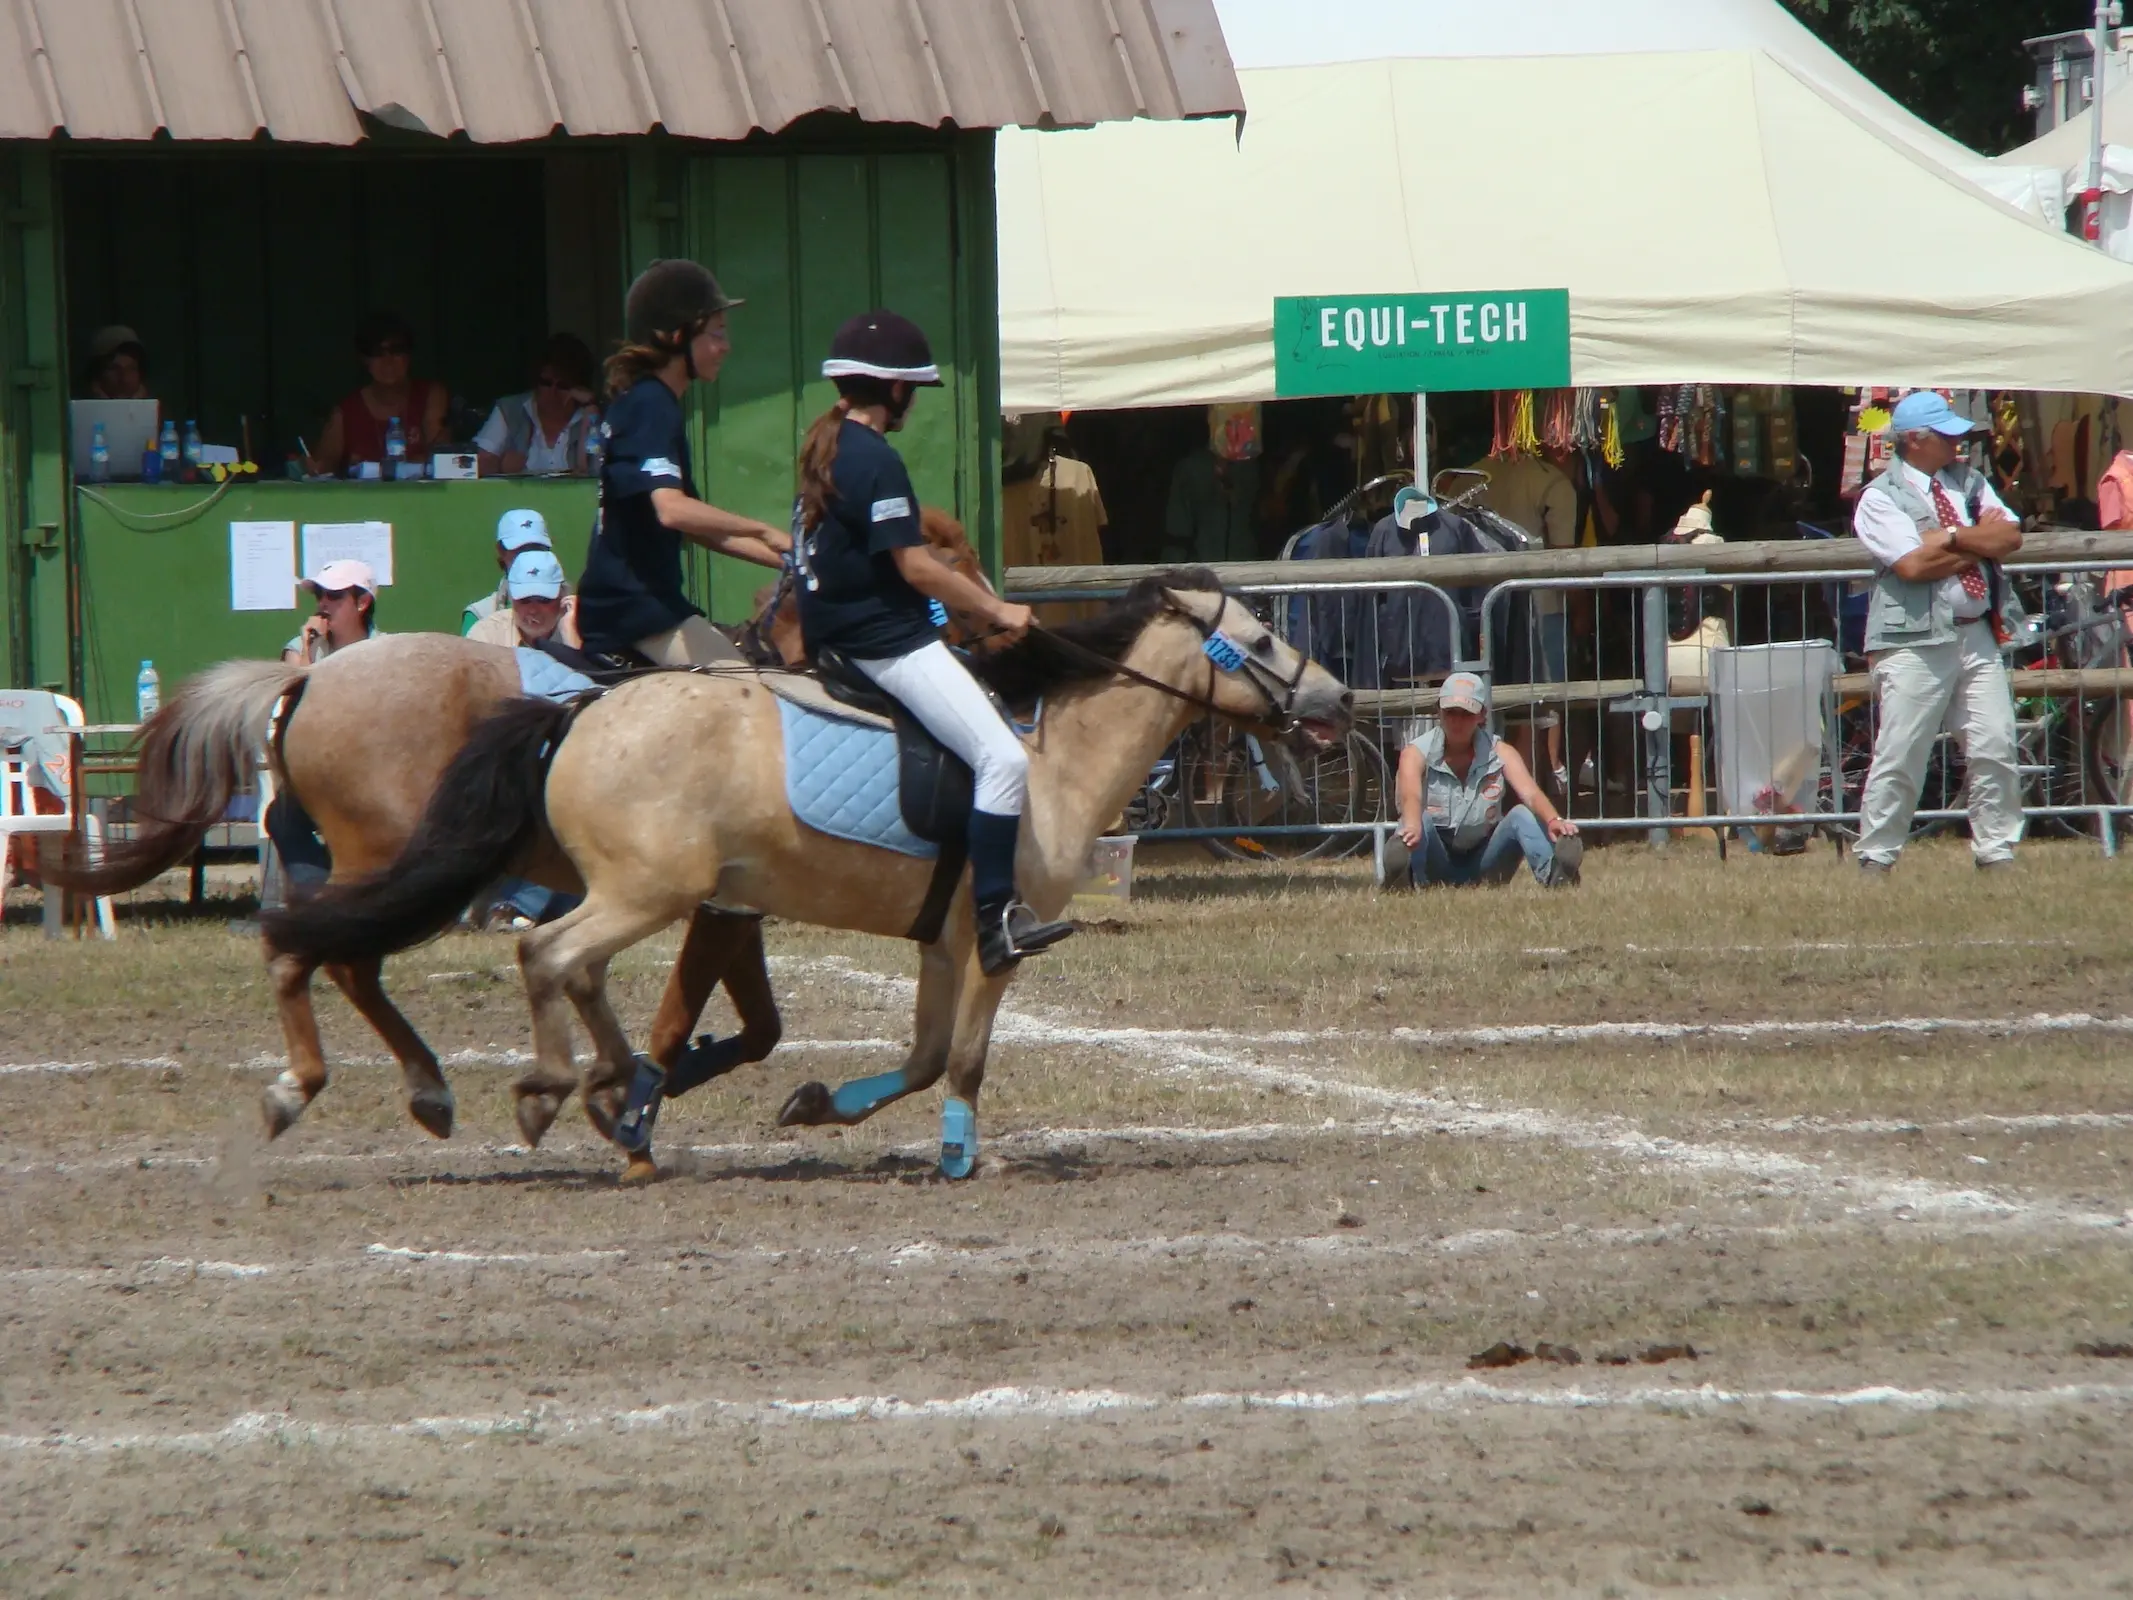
[[1961, 686]]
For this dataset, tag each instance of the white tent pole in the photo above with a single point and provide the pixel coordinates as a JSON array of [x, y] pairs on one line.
[[2099, 57], [1422, 442]]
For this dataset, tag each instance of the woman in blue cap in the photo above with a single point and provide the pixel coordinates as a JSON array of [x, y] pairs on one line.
[[867, 590], [631, 599]]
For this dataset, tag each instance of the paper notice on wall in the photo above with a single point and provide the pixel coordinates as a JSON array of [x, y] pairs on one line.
[[262, 566], [368, 542]]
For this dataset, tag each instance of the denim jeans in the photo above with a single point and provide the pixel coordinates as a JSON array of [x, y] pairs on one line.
[[1518, 835], [533, 902]]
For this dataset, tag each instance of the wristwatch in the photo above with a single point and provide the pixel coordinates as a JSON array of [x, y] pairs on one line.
[[1953, 547]]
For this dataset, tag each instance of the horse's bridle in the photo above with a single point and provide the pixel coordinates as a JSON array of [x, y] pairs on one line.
[[1280, 693]]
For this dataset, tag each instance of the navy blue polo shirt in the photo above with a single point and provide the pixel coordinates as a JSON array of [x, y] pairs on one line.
[[851, 595], [631, 589]]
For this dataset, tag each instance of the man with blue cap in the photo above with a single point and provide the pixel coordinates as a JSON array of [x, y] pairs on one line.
[[1934, 627]]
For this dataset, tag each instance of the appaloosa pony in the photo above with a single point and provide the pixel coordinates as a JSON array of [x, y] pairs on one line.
[[670, 790]]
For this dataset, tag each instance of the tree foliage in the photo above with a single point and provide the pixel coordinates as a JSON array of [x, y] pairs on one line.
[[1959, 64]]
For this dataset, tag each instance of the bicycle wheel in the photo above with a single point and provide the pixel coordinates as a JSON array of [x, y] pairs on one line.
[[1232, 779], [2110, 743]]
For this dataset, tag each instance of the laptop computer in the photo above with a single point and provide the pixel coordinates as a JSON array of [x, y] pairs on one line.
[[129, 429]]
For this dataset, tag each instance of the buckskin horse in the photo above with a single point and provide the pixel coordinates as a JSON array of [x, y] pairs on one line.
[[361, 740], [670, 790]]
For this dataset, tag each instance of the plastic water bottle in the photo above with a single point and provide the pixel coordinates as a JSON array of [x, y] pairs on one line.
[[167, 448], [99, 455], [192, 448], [595, 449], [147, 692], [395, 447]]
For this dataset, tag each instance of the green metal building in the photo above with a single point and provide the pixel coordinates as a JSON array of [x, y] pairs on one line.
[[240, 180]]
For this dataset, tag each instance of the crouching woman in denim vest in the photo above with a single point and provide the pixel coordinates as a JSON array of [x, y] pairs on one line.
[[1454, 827]]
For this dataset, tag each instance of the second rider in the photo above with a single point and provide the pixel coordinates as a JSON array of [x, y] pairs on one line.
[[866, 580]]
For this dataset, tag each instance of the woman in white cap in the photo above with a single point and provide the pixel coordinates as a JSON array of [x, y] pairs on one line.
[[871, 592], [630, 598], [1454, 827], [347, 612]]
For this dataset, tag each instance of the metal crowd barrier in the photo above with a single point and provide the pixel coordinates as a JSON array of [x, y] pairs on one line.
[[1733, 701]]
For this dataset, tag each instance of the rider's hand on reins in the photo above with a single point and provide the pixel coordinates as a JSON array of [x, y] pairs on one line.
[[1011, 621]]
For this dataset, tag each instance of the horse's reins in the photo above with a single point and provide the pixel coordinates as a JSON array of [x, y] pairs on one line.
[[1223, 654]]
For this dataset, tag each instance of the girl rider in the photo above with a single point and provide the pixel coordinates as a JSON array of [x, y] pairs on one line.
[[866, 578], [674, 333]]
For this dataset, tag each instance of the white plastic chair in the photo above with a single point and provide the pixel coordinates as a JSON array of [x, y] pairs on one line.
[[25, 713]]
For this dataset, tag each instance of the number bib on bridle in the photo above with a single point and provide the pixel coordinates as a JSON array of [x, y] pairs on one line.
[[1223, 651]]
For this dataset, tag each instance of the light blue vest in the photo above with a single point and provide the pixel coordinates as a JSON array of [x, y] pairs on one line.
[[1907, 612], [1467, 811]]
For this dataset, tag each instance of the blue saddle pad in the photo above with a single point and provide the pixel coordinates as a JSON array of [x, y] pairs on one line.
[[841, 779], [540, 674]]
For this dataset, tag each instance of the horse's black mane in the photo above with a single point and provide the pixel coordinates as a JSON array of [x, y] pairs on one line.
[[1035, 665]]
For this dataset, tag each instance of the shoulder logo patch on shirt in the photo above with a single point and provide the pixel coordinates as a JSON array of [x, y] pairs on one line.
[[660, 467], [890, 510]]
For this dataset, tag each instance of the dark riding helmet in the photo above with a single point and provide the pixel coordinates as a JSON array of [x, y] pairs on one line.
[[669, 301], [883, 346]]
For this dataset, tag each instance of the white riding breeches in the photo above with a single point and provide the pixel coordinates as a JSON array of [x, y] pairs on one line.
[[941, 693], [1961, 685]]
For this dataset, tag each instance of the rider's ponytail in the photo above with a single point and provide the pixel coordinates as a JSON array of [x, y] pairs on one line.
[[818, 456], [818, 451]]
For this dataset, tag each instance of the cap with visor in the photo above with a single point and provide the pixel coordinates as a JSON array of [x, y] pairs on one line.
[[1463, 691], [535, 575], [337, 577], [1916, 413], [522, 530]]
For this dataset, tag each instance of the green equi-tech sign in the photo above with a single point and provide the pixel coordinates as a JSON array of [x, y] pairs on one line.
[[1421, 343]]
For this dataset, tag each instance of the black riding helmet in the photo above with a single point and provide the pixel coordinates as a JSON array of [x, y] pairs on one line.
[[669, 301], [883, 346]]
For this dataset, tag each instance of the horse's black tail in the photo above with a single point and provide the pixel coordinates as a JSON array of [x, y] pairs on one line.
[[487, 806]]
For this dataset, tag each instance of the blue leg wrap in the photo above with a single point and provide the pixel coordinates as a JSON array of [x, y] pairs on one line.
[[864, 1096], [633, 1129], [959, 1137]]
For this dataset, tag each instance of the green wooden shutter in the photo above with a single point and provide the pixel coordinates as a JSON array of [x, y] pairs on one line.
[[33, 390], [809, 238]]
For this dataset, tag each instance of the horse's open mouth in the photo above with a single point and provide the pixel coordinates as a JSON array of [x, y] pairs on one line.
[[1319, 732]]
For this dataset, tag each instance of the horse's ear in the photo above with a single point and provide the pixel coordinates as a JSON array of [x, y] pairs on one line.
[[941, 530]]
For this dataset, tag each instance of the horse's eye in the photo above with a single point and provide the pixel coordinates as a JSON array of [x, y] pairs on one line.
[[1264, 645]]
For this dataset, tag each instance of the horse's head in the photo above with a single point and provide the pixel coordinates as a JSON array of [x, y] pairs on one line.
[[1258, 678]]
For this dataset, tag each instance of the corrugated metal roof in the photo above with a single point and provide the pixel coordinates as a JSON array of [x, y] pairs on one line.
[[300, 71]]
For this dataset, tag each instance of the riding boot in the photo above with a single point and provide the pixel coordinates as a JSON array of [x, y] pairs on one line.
[[1007, 929]]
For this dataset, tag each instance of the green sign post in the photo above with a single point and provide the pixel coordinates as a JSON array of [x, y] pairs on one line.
[[1421, 343]]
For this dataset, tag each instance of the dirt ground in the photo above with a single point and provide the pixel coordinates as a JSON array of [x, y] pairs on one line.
[[1268, 1159]]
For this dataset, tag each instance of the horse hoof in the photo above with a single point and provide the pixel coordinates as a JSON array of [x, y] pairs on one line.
[[808, 1107], [433, 1109], [537, 1111], [282, 1104], [642, 1169], [603, 1107]]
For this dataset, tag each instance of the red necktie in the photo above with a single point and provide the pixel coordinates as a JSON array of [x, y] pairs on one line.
[[1973, 578]]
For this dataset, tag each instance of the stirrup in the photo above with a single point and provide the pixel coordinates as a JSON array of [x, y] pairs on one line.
[[1005, 938], [633, 1129]]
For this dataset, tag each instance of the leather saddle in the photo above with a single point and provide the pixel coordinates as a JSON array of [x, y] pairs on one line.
[[933, 783]]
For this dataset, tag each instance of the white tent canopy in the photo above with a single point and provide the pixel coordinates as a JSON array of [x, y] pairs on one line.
[[1722, 202], [2064, 155]]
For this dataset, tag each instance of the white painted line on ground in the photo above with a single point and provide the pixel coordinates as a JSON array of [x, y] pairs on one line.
[[1842, 1027], [270, 1064], [1014, 1404]]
